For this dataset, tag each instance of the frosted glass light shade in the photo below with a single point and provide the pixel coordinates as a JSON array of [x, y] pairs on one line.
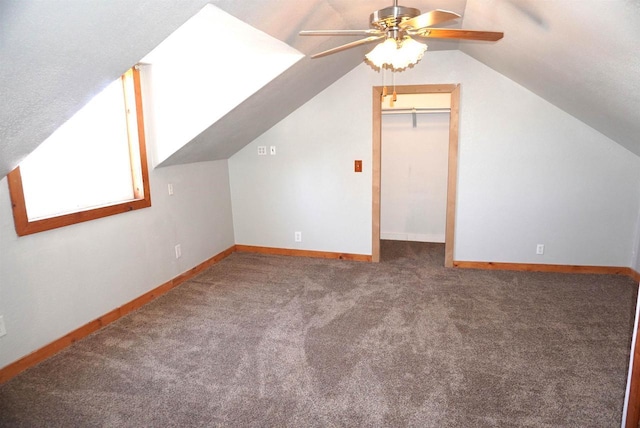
[[396, 55]]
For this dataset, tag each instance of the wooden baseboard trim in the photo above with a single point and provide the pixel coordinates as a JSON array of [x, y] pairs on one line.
[[56, 346], [634, 274], [17, 367], [535, 267], [303, 253]]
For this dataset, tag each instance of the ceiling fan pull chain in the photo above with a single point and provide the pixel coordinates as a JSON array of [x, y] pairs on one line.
[[384, 84], [395, 96]]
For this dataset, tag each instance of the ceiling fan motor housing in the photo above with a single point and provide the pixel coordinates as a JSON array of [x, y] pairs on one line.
[[389, 19]]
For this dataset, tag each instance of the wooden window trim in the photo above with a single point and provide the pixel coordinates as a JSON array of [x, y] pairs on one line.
[[141, 188]]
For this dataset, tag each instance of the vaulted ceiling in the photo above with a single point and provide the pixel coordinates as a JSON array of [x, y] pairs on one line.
[[584, 57]]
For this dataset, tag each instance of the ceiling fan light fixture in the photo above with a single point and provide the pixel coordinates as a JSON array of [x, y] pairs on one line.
[[396, 55]]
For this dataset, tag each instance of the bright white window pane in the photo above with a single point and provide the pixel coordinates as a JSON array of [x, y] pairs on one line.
[[84, 164]]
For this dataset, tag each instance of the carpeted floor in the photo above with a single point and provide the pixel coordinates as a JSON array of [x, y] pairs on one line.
[[278, 341]]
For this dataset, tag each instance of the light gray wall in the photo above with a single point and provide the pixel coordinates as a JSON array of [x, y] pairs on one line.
[[529, 173], [309, 185], [56, 281]]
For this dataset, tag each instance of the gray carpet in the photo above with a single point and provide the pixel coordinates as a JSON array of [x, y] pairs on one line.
[[278, 341]]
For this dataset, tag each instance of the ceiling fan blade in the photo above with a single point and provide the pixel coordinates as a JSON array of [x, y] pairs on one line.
[[348, 46], [449, 33], [428, 19], [370, 32]]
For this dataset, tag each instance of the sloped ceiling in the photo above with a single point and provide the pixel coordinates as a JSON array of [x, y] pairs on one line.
[[283, 20], [54, 56], [582, 56]]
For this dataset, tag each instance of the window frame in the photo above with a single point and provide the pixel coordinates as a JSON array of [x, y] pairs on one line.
[[140, 183]]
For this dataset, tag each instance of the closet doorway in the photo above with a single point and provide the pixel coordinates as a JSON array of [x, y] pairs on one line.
[[414, 101]]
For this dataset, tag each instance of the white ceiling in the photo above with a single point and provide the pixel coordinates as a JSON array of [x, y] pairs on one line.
[[54, 56], [194, 80], [582, 56]]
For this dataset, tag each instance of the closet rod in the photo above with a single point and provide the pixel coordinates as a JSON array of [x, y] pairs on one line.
[[415, 110]]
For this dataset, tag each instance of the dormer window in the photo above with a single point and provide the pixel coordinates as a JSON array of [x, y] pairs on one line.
[[93, 166]]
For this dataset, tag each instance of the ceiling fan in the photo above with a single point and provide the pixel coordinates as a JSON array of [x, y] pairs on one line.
[[397, 25]]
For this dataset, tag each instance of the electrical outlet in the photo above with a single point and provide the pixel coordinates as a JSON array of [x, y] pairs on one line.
[[540, 249], [170, 189], [3, 330], [262, 150], [178, 251], [297, 237]]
